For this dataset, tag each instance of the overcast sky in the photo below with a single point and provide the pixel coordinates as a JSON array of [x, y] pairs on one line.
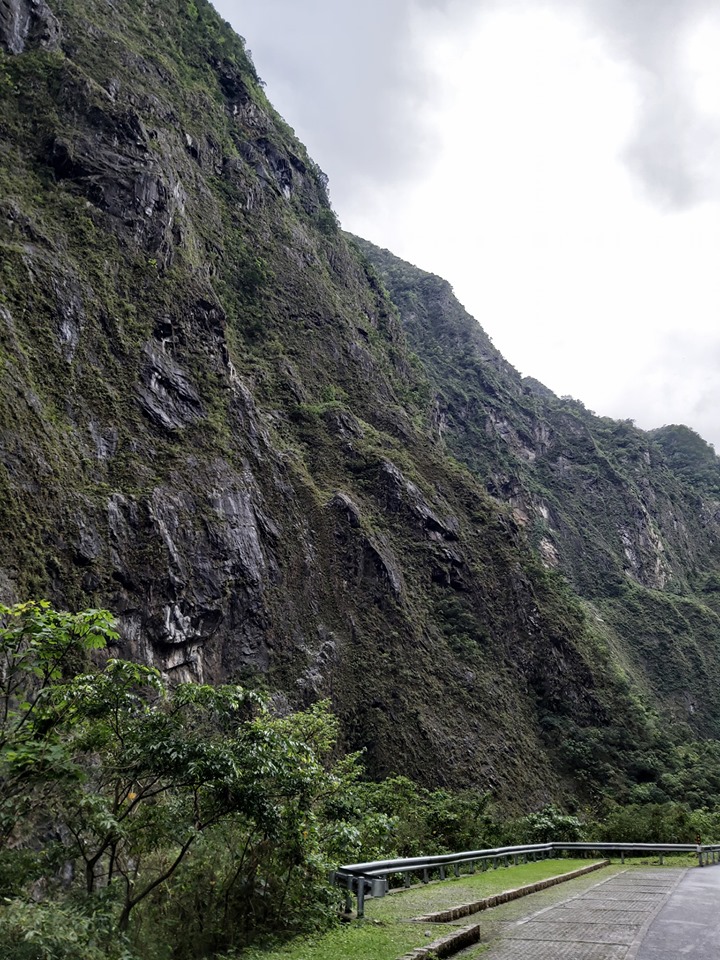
[[558, 162]]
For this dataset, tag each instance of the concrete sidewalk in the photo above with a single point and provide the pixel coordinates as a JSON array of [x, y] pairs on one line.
[[634, 915]]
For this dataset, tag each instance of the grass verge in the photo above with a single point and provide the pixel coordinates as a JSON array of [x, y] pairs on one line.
[[385, 933]]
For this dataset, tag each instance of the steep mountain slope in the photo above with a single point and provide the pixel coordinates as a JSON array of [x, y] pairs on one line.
[[212, 423], [632, 519]]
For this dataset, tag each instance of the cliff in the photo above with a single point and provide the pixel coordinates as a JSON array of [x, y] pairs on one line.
[[216, 423]]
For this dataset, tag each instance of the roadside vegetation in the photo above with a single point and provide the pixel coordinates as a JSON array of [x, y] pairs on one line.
[[140, 820], [386, 934]]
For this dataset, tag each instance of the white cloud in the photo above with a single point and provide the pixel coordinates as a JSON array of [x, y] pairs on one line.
[[558, 163]]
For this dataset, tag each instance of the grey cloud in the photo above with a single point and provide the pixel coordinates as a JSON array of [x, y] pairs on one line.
[[675, 152], [682, 381], [345, 74], [673, 148]]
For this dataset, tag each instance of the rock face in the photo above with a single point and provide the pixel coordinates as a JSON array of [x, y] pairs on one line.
[[212, 423], [25, 24], [628, 517]]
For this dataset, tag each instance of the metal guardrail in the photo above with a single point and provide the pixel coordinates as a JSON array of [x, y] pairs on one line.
[[370, 879]]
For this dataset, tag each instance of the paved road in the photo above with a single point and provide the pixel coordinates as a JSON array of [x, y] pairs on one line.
[[635, 915], [688, 924]]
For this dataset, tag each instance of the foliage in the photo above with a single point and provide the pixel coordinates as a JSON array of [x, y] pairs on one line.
[[547, 825], [690, 456], [148, 772], [56, 931], [194, 820], [424, 822], [39, 649], [193, 810], [660, 823]]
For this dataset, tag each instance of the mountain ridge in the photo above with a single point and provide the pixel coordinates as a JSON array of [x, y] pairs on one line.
[[218, 423]]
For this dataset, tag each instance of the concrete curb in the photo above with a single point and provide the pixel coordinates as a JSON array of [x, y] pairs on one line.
[[466, 909], [447, 945]]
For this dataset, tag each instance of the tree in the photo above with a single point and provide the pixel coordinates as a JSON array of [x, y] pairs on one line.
[[39, 648], [139, 775]]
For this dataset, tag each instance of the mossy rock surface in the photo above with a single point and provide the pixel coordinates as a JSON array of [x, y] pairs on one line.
[[218, 422]]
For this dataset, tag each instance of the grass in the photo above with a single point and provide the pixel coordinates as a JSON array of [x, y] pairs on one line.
[[363, 940], [386, 934], [681, 860]]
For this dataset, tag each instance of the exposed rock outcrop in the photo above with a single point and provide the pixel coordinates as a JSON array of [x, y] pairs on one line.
[[212, 422], [25, 24]]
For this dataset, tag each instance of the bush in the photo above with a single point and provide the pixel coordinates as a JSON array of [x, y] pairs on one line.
[[660, 823], [548, 824], [53, 931]]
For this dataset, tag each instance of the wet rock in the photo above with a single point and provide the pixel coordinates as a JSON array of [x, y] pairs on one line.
[[111, 163], [273, 167], [105, 440], [71, 314], [313, 682], [365, 555], [344, 424], [165, 393], [239, 532], [88, 544], [8, 591], [27, 24], [402, 494], [548, 553], [347, 507]]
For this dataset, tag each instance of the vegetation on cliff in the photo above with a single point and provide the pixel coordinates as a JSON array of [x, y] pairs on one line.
[[629, 519], [292, 464]]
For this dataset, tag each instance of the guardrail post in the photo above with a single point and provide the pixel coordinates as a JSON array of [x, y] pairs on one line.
[[406, 880], [456, 869], [495, 860], [442, 872], [425, 877], [622, 856], [361, 897], [515, 859], [472, 866], [662, 859]]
